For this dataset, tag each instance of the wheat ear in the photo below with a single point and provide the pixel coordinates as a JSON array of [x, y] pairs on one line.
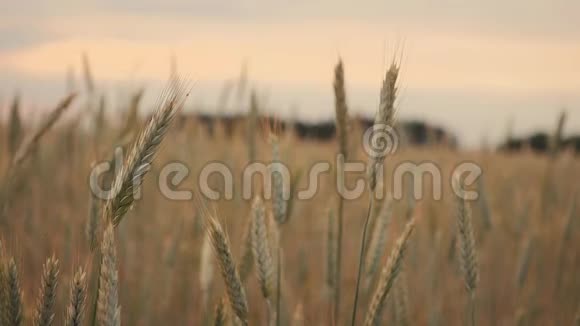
[[44, 314], [341, 109], [139, 160], [467, 246], [261, 249], [234, 287], [385, 117], [389, 274], [78, 293], [13, 314], [467, 243], [280, 189]]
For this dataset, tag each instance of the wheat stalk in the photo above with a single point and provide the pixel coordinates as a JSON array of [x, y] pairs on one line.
[[521, 317], [76, 306], [132, 118], [524, 263], [377, 208], [389, 274], [401, 301], [89, 82], [484, 205], [556, 140], [28, 144], [378, 241], [296, 176], [252, 125], [411, 201], [100, 118], [26, 148], [44, 314], [385, 117], [298, 315], [220, 318], [274, 235], [15, 126], [234, 287], [341, 112], [92, 224], [3, 285], [247, 260], [331, 253], [108, 311], [566, 237]]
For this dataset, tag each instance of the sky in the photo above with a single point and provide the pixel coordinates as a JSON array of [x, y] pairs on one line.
[[474, 67]]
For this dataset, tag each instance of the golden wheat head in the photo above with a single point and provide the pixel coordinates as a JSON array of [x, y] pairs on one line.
[[45, 305], [234, 287], [78, 293], [141, 155], [389, 275]]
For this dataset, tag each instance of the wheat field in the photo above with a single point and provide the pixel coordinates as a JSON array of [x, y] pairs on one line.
[[508, 258]]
